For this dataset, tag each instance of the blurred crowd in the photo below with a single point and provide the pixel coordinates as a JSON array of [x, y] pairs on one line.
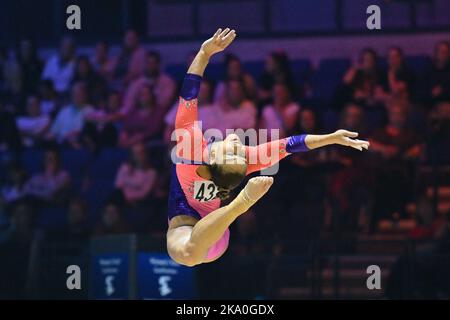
[[118, 112]]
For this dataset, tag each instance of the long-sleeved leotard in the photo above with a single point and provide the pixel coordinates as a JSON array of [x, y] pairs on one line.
[[193, 195]]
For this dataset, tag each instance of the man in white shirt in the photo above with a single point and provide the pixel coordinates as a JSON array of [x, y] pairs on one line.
[[70, 119], [60, 68], [164, 86], [33, 125]]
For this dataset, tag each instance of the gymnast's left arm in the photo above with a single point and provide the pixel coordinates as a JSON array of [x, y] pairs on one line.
[[308, 142], [267, 154]]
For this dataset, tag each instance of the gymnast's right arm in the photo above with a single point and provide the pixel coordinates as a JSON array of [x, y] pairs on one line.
[[187, 109]]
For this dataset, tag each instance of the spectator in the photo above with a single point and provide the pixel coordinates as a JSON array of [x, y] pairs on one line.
[[11, 76], [101, 61], [60, 68], [395, 147], [9, 134], [13, 190], [3, 62], [102, 127], [282, 113], [70, 119], [276, 70], [145, 121], [164, 86], [129, 65], [436, 81], [307, 124], [112, 221], [366, 82], [136, 178], [400, 77], [84, 72], [51, 185], [30, 67], [48, 97], [77, 229], [234, 71], [236, 111], [34, 125], [353, 119], [16, 248]]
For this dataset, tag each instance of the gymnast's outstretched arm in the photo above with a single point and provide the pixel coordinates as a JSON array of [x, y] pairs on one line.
[[267, 154], [186, 128], [187, 109]]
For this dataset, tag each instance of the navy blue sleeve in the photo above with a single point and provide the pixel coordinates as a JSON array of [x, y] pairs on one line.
[[191, 86], [296, 144]]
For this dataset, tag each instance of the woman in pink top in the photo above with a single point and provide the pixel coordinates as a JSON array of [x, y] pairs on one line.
[[205, 172]]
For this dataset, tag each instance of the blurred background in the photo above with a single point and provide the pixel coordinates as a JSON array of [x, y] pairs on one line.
[[85, 123]]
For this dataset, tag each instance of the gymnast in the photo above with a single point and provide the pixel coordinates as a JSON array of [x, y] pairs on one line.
[[206, 171]]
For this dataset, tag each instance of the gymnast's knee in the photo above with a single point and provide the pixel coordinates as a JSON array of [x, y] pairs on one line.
[[189, 255]]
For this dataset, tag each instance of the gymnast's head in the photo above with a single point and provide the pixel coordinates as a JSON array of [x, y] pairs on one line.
[[227, 164]]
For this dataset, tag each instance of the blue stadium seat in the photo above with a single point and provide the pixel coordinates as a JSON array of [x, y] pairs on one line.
[[32, 159], [254, 68], [215, 71], [328, 76], [301, 69], [176, 71], [51, 217], [106, 164], [76, 162], [418, 63]]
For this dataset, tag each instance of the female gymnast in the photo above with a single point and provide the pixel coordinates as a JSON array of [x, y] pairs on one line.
[[206, 173]]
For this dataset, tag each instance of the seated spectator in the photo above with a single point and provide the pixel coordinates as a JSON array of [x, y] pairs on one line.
[[205, 112], [234, 71], [145, 121], [129, 65], [353, 119], [101, 61], [112, 221], [282, 113], [3, 63], [48, 98], [9, 134], [70, 119], [77, 229], [400, 77], [84, 72], [10, 77], [16, 249], [436, 80], [51, 185], [164, 86], [276, 69], [136, 178], [30, 67], [307, 124], [366, 82], [60, 68], [13, 190], [34, 125], [234, 112], [102, 126], [395, 148]]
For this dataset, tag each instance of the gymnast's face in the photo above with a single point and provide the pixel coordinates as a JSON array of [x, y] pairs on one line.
[[229, 151]]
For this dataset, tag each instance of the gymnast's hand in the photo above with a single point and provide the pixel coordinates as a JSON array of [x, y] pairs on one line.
[[218, 42], [346, 138]]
